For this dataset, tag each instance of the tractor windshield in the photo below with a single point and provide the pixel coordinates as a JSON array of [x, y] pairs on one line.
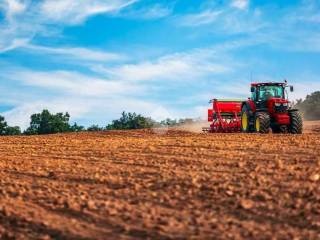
[[273, 91]]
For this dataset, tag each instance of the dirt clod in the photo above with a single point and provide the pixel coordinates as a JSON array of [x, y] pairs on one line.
[[315, 177], [246, 204]]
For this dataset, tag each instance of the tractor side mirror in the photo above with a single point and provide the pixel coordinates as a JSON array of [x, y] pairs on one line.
[[252, 89], [291, 89]]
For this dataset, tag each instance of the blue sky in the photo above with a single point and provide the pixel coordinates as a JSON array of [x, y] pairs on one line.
[[97, 58]]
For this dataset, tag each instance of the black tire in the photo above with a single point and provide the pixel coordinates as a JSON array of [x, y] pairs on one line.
[[264, 120], [296, 123], [280, 129], [248, 128]]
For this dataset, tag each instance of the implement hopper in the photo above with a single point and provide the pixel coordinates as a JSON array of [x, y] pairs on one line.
[[224, 116]]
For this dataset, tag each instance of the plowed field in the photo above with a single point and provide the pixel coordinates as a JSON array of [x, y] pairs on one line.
[[138, 184]]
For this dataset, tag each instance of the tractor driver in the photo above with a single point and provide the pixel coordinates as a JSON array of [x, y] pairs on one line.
[[267, 94]]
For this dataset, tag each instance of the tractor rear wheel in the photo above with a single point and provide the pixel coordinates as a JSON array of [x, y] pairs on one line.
[[262, 122], [296, 123], [245, 120]]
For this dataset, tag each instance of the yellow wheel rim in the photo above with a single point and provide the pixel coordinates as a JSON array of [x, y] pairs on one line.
[[258, 125], [244, 121]]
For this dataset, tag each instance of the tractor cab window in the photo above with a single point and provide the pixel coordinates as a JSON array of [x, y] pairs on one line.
[[254, 94], [266, 92]]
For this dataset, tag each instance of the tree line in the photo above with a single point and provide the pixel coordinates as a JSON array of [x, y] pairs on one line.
[[48, 123], [310, 106]]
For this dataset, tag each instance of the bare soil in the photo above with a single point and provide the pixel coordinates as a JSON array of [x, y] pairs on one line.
[[174, 185]]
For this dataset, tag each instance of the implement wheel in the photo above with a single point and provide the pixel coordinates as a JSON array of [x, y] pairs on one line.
[[245, 120], [262, 122], [296, 124]]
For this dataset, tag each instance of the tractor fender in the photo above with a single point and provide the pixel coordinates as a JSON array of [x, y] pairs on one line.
[[248, 105]]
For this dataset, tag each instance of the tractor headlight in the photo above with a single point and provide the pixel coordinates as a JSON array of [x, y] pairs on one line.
[[277, 104], [285, 104]]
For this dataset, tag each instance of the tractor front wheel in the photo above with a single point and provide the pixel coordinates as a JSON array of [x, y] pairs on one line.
[[296, 124], [262, 122]]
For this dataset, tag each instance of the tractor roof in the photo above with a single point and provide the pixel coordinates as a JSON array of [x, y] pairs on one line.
[[268, 84]]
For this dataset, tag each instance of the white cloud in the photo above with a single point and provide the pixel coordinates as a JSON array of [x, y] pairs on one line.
[[177, 67], [121, 87], [14, 7], [240, 4], [26, 18], [150, 12], [76, 53], [156, 11], [15, 43], [224, 20], [202, 18], [304, 84], [75, 11], [20, 115], [72, 83], [88, 111]]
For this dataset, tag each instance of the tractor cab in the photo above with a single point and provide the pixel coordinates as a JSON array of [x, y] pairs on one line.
[[270, 95], [262, 92], [268, 107]]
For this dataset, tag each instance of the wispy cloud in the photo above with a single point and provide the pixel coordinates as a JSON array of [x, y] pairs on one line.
[[14, 7], [75, 53], [26, 18], [72, 83], [175, 67], [155, 11], [120, 87], [75, 12], [226, 19], [15, 43], [202, 18], [240, 4]]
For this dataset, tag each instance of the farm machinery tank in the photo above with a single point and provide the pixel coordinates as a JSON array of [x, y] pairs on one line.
[[224, 116], [267, 108]]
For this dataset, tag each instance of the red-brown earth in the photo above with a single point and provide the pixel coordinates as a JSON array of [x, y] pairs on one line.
[[177, 184]]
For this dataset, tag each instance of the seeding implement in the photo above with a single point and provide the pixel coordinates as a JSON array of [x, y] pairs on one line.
[[224, 116], [267, 108]]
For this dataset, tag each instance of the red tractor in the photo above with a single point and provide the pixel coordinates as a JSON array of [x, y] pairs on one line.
[[268, 108]]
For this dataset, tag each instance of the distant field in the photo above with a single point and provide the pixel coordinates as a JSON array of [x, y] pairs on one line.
[[137, 184]]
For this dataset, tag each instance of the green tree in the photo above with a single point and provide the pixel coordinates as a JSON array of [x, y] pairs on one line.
[[131, 121], [11, 131], [3, 126], [7, 130], [310, 107], [95, 128], [47, 123]]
